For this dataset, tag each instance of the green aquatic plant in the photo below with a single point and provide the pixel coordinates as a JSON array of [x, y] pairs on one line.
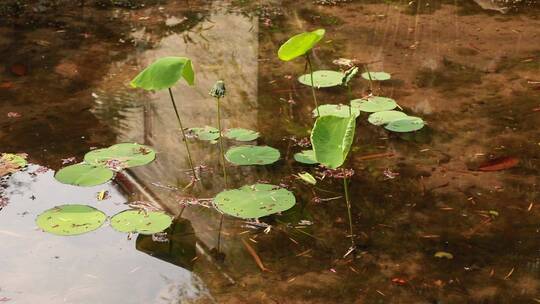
[[83, 174], [301, 45], [336, 110], [348, 76], [206, 133], [252, 155], [332, 138], [376, 76], [218, 92], [308, 178], [322, 79], [164, 73], [406, 124], [127, 154], [384, 117], [240, 134], [306, 157], [70, 219], [254, 201], [138, 221], [374, 104]]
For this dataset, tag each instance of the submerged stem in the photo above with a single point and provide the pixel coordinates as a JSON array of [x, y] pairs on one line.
[[348, 202], [183, 134], [221, 144], [219, 234], [308, 60]]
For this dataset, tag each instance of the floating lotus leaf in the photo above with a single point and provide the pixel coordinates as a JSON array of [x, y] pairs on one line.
[[336, 110], [165, 73], [323, 79], [83, 175], [376, 76], [242, 134], [252, 155], [306, 157], [308, 178], [374, 104], [332, 138], [138, 221], [407, 124], [10, 163], [128, 154], [254, 201], [206, 133], [384, 117], [71, 219], [299, 45]]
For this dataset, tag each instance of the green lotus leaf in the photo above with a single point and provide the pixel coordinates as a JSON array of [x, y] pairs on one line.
[[374, 104], [306, 157], [254, 201], [207, 133], [138, 221], [323, 79], [70, 219], [331, 138], [407, 124], [165, 73], [252, 155], [83, 175], [241, 134], [376, 76], [308, 178], [128, 154], [384, 117], [299, 45], [336, 110]]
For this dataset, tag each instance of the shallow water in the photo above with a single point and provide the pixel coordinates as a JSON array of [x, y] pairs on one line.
[[469, 70]]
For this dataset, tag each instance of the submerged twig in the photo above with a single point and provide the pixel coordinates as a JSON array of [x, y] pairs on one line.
[[255, 256]]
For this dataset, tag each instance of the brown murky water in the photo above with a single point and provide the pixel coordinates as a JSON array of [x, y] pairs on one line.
[[470, 69]]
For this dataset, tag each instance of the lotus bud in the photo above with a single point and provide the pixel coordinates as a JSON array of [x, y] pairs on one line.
[[218, 91]]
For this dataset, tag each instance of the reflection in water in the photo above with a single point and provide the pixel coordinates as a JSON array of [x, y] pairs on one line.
[[175, 245], [97, 267]]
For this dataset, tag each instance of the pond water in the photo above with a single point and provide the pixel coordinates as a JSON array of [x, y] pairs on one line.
[[470, 69]]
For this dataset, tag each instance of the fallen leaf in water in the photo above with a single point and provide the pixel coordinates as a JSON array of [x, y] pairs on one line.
[[442, 254], [497, 164], [13, 115], [399, 281], [102, 195], [6, 85], [68, 160], [19, 69], [67, 69]]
